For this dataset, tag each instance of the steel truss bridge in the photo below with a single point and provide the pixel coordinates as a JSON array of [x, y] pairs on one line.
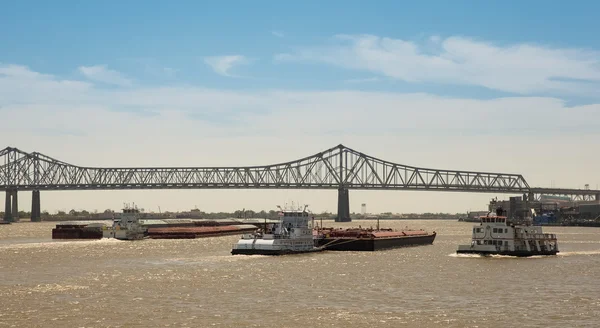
[[340, 168]]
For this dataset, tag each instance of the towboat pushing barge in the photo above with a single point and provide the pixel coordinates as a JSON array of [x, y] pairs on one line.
[[127, 227], [498, 235], [291, 235], [368, 239]]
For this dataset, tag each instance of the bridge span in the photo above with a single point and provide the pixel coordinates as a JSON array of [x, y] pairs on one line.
[[340, 168]]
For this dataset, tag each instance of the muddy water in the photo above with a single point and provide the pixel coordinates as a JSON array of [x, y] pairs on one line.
[[197, 283]]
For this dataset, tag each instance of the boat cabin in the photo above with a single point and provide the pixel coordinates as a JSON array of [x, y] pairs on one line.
[[498, 232]]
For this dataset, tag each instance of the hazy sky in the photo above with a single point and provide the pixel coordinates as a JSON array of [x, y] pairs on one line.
[[504, 86]]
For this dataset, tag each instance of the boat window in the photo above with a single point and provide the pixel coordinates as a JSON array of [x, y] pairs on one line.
[[506, 230], [506, 243]]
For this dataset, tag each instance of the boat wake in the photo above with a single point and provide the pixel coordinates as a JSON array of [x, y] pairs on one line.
[[494, 256], [465, 255], [595, 252], [49, 244]]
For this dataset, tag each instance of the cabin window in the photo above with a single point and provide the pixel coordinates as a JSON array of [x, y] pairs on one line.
[[506, 230], [506, 243]]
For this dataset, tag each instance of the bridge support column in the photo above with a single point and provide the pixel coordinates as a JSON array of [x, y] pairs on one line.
[[15, 206], [8, 207], [343, 206], [36, 214], [11, 206], [531, 197]]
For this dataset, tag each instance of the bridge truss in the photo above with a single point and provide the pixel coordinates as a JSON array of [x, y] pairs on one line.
[[339, 168]]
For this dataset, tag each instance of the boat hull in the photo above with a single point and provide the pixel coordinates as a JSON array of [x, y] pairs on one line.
[[374, 244], [508, 253], [236, 251]]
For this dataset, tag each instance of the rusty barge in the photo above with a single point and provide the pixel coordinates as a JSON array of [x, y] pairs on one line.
[[363, 239]]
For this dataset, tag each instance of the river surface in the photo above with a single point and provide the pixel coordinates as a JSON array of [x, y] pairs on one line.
[[197, 283]]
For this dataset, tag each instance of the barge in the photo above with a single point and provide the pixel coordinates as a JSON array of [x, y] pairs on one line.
[[361, 239], [78, 230], [199, 232]]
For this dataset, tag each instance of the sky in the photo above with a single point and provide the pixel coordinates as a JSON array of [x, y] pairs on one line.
[[500, 86]]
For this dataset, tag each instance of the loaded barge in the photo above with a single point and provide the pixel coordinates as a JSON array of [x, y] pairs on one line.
[[130, 225], [361, 239]]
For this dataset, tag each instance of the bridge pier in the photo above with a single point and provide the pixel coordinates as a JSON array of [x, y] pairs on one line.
[[36, 214], [343, 206], [11, 206], [7, 208]]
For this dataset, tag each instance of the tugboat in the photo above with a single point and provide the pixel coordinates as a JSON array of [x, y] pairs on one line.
[[127, 227], [498, 235], [291, 235]]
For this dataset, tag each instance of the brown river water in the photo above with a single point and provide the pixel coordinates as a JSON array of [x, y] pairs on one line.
[[197, 283]]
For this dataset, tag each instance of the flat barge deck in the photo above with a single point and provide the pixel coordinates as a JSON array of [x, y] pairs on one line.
[[369, 239], [160, 230]]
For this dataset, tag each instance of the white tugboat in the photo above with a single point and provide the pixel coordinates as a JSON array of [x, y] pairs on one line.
[[291, 235], [127, 227], [497, 235]]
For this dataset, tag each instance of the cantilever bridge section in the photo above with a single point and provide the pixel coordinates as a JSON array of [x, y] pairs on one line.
[[340, 168]]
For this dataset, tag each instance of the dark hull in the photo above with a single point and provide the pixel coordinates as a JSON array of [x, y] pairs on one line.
[[375, 244], [515, 253], [76, 232], [269, 252]]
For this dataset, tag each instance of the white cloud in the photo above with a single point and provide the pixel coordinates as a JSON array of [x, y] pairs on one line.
[[519, 68], [192, 126], [363, 80], [101, 73], [278, 34], [223, 64]]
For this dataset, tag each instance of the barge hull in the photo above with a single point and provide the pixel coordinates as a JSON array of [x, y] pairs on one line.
[[375, 244]]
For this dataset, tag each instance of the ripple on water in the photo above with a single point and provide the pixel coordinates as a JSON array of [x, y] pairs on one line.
[[198, 283]]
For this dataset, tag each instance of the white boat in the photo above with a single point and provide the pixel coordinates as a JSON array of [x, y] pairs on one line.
[[290, 235], [127, 227], [497, 235]]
